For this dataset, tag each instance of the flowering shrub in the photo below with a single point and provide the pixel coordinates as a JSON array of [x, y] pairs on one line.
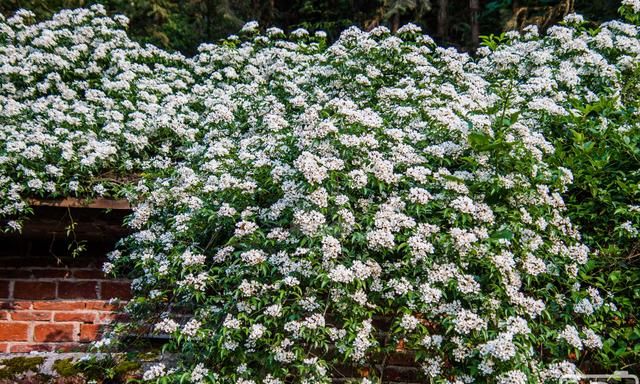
[[305, 206], [591, 76], [583, 84], [82, 106]]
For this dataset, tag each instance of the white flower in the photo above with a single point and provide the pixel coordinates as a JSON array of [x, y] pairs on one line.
[[571, 336], [250, 27], [409, 28], [231, 322], [274, 310], [409, 322], [309, 222], [513, 377], [166, 326], [189, 258], [467, 321], [154, 372], [253, 257], [633, 4], [362, 342], [591, 339], [501, 348], [244, 228], [331, 248], [191, 328]]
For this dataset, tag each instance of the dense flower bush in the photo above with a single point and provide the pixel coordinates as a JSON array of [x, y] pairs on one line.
[[82, 107], [305, 206], [592, 77], [584, 84]]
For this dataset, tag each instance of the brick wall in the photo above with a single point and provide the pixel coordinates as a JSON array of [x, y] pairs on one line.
[[53, 302], [49, 300]]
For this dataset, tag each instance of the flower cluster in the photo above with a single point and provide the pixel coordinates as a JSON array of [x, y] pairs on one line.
[[82, 107]]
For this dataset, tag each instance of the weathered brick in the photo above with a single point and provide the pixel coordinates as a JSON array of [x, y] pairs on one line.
[[4, 347], [401, 358], [4, 315], [53, 332], [112, 289], [89, 274], [31, 316], [4, 289], [102, 305], [70, 347], [77, 290], [89, 332], [106, 318], [14, 331], [37, 290], [51, 273], [85, 317], [15, 305], [25, 348], [15, 273], [58, 305], [396, 373]]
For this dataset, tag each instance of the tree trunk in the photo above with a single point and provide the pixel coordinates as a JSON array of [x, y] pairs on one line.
[[256, 10], [271, 12], [474, 9], [210, 19], [443, 26], [395, 24]]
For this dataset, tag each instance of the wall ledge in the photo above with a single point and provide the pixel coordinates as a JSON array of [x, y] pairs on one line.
[[73, 202]]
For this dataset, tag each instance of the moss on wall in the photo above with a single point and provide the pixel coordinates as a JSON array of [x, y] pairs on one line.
[[11, 368]]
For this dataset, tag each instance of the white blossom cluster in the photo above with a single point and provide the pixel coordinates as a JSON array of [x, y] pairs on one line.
[[297, 190], [82, 107]]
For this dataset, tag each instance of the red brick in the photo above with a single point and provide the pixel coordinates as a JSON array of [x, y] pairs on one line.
[[4, 289], [58, 305], [31, 316], [51, 273], [89, 332], [4, 315], [53, 332], [77, 290], [4, 347], [11, 304], [103, 305], [121, 290], [106, 318], [85, 317], [405, 359], [39, 290], [14, 331], [25, 348], [395, 373], [15, 273], [89, 274], [70, 347]]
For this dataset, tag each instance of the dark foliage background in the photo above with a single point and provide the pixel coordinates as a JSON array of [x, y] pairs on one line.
[[183, 24]]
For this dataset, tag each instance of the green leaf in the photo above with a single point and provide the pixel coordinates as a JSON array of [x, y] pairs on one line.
[[479, 140], [502, 234]]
